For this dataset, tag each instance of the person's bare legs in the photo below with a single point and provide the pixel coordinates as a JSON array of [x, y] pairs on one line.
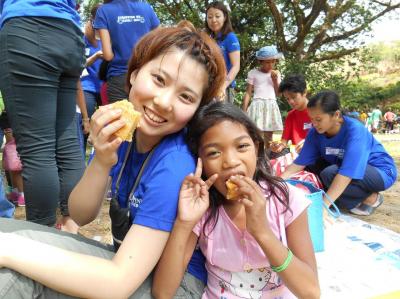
[[16, 180], [68, 225], [267, 138], [371, 200]]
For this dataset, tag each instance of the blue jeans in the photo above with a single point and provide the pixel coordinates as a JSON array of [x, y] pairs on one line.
[[358, 190], [41, 61]]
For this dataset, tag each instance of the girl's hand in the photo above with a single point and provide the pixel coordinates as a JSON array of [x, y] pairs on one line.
[[253, 199], [104, 123], [274, 75], [277, 147], [99, 54], [86, 126], [193, 196]]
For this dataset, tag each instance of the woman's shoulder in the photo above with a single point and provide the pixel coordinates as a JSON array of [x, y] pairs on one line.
[[231, 37], [174, 143], [354, 125], [173, 152]]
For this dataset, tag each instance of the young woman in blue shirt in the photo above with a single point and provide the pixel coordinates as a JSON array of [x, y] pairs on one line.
[[353, 165], [172, 72], [218, 25]]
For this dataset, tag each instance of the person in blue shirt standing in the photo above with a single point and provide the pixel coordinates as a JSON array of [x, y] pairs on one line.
[[89, 79], [218, 25], [356, 167], [42, 57], [121, 23]]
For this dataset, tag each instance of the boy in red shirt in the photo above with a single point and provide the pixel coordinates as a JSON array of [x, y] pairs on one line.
[[297, 123]]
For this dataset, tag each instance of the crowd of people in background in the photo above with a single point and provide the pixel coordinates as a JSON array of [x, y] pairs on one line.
[[375, 120], [171, 217]]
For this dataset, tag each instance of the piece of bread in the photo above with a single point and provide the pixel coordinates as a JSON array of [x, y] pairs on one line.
[[232, 190], [131, 118]]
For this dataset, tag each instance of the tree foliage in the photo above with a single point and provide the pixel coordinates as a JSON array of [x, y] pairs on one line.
[[319, 38]]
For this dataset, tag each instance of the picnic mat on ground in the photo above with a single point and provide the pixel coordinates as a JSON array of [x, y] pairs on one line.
[[360, 261]]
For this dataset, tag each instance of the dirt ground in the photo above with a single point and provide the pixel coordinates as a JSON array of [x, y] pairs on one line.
[[384, 216]]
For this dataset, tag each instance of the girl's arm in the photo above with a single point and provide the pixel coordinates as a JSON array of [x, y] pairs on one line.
[[174, 260], [86, 198], [80, 101], [193, 203], [275, 77], [247, 96], [106, 44], [234, 57], [337, 187], [82, 275], [92, 59], [290, 170], [90, 33], [301, 274]]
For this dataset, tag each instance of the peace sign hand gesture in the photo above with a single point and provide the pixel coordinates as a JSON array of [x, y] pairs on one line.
[[194, 196]]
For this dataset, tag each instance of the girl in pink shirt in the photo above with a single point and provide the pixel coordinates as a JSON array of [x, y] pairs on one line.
[[257, 244]]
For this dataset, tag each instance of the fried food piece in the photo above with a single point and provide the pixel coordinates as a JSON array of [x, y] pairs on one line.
[[131, 118], [232, 190]]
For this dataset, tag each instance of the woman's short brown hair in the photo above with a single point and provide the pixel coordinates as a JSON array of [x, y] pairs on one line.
[[197, 45]]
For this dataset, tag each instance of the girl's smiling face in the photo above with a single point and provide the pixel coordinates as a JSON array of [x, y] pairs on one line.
[[167, 91], [215, 19], [227, 149]]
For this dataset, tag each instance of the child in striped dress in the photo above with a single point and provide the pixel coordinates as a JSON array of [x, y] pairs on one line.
[[262, 86]]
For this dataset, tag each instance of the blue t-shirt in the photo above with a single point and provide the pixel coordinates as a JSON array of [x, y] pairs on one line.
[[63, 9], [155, 199], [90, 77], [126, 21], [351, 149], [228, 45]]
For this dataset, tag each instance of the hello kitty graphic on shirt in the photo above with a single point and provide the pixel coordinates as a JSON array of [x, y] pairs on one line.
[[250, 284]]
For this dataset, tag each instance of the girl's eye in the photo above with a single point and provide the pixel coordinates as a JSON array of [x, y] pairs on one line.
[[243, 146], [159, 79], [212, 154], [187, 98]]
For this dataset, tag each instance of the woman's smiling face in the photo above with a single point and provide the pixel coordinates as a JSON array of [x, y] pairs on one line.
[[167, 91], [215, 19], [227, 149]]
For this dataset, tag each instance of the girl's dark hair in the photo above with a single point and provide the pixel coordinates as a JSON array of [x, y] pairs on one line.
[[211, 115], [227, 27], [327, 100], [293, 83], [196, 44], [93, 11]]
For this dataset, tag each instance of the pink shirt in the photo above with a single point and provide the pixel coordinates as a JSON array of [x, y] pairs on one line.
[[389, 116], [263, 85], [236, 265]]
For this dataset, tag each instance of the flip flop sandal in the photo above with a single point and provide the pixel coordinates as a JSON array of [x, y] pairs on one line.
[[365, 210]]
